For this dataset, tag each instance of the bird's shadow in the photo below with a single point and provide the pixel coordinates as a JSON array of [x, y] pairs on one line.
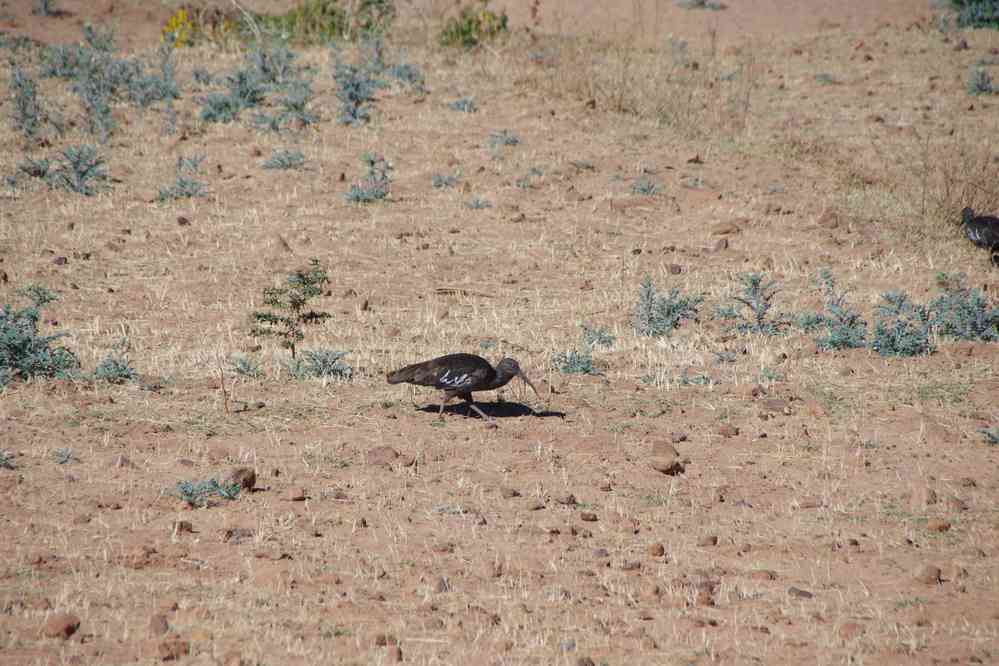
[[496, 410]]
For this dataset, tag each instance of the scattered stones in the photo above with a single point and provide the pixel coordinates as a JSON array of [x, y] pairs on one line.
[[295, 494], [60, 625], [727, 430], [799, 593], [656, 550], [937, 525], [245, 477], [706, 541], [158, 625], [588, 517], [381, 455], [929, 574]]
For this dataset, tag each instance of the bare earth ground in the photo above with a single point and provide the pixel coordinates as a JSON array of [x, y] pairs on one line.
[[818, 486]]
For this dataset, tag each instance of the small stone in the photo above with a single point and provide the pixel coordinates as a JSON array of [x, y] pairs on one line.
[[937, 525], [601, 553], [763, 574], [929, 575], [829, 219], [381, 455], [850, 630], [568, 499], [585, 661], [677, 437], [588, 517], [605, 486], [675, 269], [509, 493], [536, 505], [710, 540], [173, 648], [122, 461], [245, 477], [158, 625], [181, 527], [295, 494], [799, 593], [60, 625], [60, 261], [656, 550], [728, 430], [725, 228]]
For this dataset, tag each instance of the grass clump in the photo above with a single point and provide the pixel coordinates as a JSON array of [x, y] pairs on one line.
[[289, 303], [115, 368], [309, 22], [64, 456], [991, 435], [597, 336], [752, 312], [464, 105], [356, 92], [24, 353], [980, 82], [245, 366], [503, 138], [963, 313], [659, 315], [844, 327], [904, 328], [320, 364], [81, 171], [479, 204], [575, 362], [185, 187], [198, 494], [7, 460], [285, 159], [475, 23], [441, 182], [29, 117], [645, 187], [375, 186]]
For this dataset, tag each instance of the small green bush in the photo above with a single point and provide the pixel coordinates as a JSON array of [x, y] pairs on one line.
[[319, 364], [659, 315], [844, 327], [752, 312], [375, 186], [904, 328], [200, 493], [81, 170], [115, 369], [289, 314], [575, 362], [285, 159], [977, 13], [24, 353], [963, 313]]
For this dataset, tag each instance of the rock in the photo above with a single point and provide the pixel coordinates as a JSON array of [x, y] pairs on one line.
[[233, 658], [677, 437], [245, 477], [710, 540], [158, 625], [60, 625], [726, 228], [601, 553], [675, 269], [172, 649], [536, 505], [929, 574], [829, 219], [381, 455], [763, 574], [728, 430], [937, 525], [509, 493], [122, 461], [799, 593], [588, 517], [666, 459], [656, 550], [568, 499], [662, 449], [295, 494], [443, 585]]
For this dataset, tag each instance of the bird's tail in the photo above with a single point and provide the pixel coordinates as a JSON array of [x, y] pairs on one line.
[[402, 374]]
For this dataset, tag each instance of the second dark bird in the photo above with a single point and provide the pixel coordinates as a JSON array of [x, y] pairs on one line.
[[458, 375]]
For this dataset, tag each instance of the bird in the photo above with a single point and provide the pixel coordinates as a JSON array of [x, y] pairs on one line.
[[983, 231], [458, 375]]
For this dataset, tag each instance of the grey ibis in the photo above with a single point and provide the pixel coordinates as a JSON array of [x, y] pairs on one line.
[[458, 375], [983, 231]]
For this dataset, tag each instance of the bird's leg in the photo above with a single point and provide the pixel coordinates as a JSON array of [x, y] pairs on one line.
[[490, 421], [446, 397]]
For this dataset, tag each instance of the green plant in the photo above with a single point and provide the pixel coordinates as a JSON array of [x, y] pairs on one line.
[[290, 303], [575, 362], [904, 327], [309, 22], [503, 138], [474, 24], [658, 315], [597, 337], [441, 182], [285, 159], [464, 105], [185, 187], [478, 204], [64, 456], [701, 4], [29, 117], [645, 187], [200, 493], [375, 186], [976, 13], [321, 364], [356, 92], [963, 313], [752, 311], [7, 459], [23, 352], [845, 328], [245, 366], [980, 82], [46, 8], [991, 435], [81, 171], [115, 369]]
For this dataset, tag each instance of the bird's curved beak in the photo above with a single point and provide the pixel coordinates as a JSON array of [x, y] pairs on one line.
[[531, 384]]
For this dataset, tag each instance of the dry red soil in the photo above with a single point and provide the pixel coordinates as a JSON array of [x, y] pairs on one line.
[[710, 497]]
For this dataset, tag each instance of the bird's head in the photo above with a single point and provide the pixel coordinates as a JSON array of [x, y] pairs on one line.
[[967, 214], [510, 368]]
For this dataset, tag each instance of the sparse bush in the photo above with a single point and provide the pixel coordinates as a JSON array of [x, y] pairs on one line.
[[752, 312], [475, 24], [503, 138], [372, 17], [527, 181], [980, 82], [356, 92], [594, 337], [479, 204], [845, 328], [115, 369], [977, 13], [81, 171], [904, 328], [657, 315], [202, 76], [574, 362], [185, 187], [24, 353], [64, 456], [7, 457], [464, 105], [963, 313], [309, 22], [376, 185], [285, 159], [320, 364], [441, 182], [991, 435], [145, 90], [408, 74], [180, 30], [645, 187], [245, 366], [290, 303], [199, 493], [29, 117]]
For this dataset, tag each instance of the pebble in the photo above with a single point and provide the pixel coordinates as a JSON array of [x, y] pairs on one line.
[[710, 540], [728, 430], [929, 574], [799, 593], [295, 494], [509, 493], [245, 477], [588, 517], [60, 625], [158, 625], [656, 550]]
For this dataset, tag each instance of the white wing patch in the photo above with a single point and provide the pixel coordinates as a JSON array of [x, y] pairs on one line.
[[454, 381]]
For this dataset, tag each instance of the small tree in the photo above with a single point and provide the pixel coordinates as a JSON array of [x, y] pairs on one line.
[[289, 305]]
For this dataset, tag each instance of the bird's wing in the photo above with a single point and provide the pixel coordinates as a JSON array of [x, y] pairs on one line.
[[453, 380]]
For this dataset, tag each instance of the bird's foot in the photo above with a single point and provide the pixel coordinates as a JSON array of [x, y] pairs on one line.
[[491, 424]]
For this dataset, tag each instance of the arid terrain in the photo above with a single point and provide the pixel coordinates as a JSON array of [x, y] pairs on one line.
[[714, 495]]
